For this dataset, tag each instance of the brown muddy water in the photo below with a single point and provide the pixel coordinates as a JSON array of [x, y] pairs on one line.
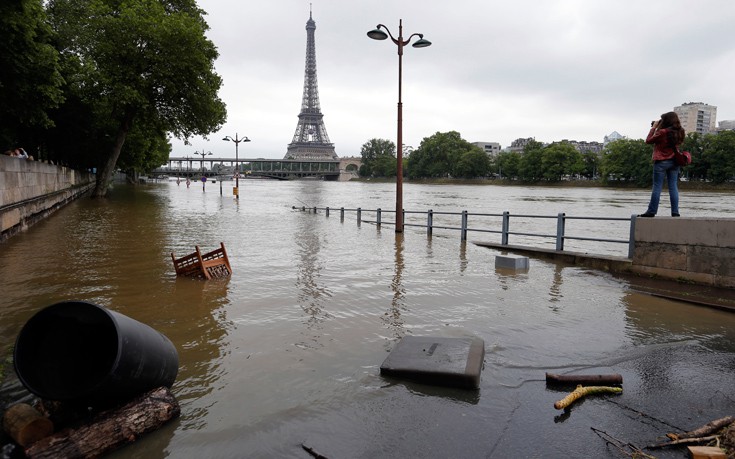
[[287, 351]]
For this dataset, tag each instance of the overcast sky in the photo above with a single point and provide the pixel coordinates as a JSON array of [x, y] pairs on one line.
[[496, 71]]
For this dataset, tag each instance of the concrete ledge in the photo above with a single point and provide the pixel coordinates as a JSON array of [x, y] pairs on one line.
[[601, 262], [453, 362]]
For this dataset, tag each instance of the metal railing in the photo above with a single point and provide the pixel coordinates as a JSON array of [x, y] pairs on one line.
[[560, 236]]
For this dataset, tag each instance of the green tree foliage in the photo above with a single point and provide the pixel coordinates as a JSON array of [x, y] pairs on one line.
[[508, 164], [30, 80], [473, 163], [378, 158], [530, 168], [719, 154], [591, 165], [559, 160], [694, 143], [447, 155], [627, 160], [138, 62]]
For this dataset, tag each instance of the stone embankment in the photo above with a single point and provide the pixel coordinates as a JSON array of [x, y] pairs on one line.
[[32, 190]]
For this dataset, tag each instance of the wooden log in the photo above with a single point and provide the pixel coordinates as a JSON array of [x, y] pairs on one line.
[[709, 428], [605, 380], [109, 430], [683, 441], [26, 425]]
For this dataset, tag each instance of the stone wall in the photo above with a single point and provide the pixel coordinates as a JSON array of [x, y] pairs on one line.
[[31, 190], [700, 250]]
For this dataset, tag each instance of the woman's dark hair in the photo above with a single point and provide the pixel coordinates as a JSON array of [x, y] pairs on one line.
[[670, 121]]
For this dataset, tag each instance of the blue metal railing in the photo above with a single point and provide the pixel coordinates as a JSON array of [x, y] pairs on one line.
[[560, 236]]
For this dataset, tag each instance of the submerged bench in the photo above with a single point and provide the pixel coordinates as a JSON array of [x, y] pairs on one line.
[[210, 265]]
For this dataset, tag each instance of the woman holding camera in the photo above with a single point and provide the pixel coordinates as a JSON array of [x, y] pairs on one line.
[[666, 135]]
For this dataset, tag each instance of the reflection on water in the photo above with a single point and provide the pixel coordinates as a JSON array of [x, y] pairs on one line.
[[392, 317], [312, 295], [288, 349]]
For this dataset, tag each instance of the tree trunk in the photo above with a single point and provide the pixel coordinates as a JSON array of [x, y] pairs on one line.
[[109, 430], [107, 169]]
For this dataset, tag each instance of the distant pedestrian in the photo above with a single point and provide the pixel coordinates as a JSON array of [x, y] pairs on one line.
[[188, 182], [666, 135]]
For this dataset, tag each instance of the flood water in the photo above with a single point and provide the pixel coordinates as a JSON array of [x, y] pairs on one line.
[[287, 351]]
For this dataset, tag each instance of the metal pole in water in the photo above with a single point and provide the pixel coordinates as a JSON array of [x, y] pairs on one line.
[[560, 222], [506, 225]]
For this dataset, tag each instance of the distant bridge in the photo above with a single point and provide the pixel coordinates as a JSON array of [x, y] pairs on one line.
[[281, 169]]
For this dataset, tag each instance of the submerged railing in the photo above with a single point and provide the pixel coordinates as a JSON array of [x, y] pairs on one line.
[[505, 232]]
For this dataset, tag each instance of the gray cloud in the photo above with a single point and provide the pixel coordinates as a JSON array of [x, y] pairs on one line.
[[558, 69]]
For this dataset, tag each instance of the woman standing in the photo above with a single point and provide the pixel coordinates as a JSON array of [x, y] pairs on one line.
[[666, 135]]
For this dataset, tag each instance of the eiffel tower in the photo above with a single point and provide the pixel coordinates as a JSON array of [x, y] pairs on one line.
[[310, 141]]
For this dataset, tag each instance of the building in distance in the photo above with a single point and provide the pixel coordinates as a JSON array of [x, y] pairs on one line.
[[490, 148], [697, 117], [612, 137], [518, 145]]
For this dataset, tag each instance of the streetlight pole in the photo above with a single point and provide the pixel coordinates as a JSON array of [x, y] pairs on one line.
[[201, 166], [202, 154], [237, 141], [378, 34]]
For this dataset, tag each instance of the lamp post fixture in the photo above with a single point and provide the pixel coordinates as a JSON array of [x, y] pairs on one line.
[[201, 166], [378, 34], [237, 141], [202, 154]]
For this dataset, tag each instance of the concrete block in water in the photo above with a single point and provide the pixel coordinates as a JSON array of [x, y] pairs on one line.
[[453, 362], [511, 262]]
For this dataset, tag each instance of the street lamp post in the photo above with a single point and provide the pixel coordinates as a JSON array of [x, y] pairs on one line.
[[201, 166], [237, 141], [378, 34], [202, 154]]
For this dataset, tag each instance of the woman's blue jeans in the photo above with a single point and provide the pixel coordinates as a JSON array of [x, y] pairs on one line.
[[670, 170]]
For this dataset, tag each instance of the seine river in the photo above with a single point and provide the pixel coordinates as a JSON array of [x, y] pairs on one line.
[[287, 351]]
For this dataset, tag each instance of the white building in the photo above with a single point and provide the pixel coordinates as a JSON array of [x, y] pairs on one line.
[[490, 148], [697, 117], [519, 144], [726, 125], [615, 135]]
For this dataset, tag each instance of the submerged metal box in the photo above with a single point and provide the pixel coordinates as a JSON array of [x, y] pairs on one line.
[[453, 362], [511, 262]]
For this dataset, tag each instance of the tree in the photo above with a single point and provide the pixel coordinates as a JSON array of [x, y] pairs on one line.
[[473, 163], [508, 164], [30, 80], [440, 156], [694, 143], [591, 165], [719, 153], [530, 167], [139, 62], [627, 160], [560, 159], [376, 155]]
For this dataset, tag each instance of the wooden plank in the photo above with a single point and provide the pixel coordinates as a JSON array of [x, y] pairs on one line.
[[706, 452]]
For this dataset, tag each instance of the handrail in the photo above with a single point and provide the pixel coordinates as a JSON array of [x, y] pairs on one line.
[[560, 235]]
